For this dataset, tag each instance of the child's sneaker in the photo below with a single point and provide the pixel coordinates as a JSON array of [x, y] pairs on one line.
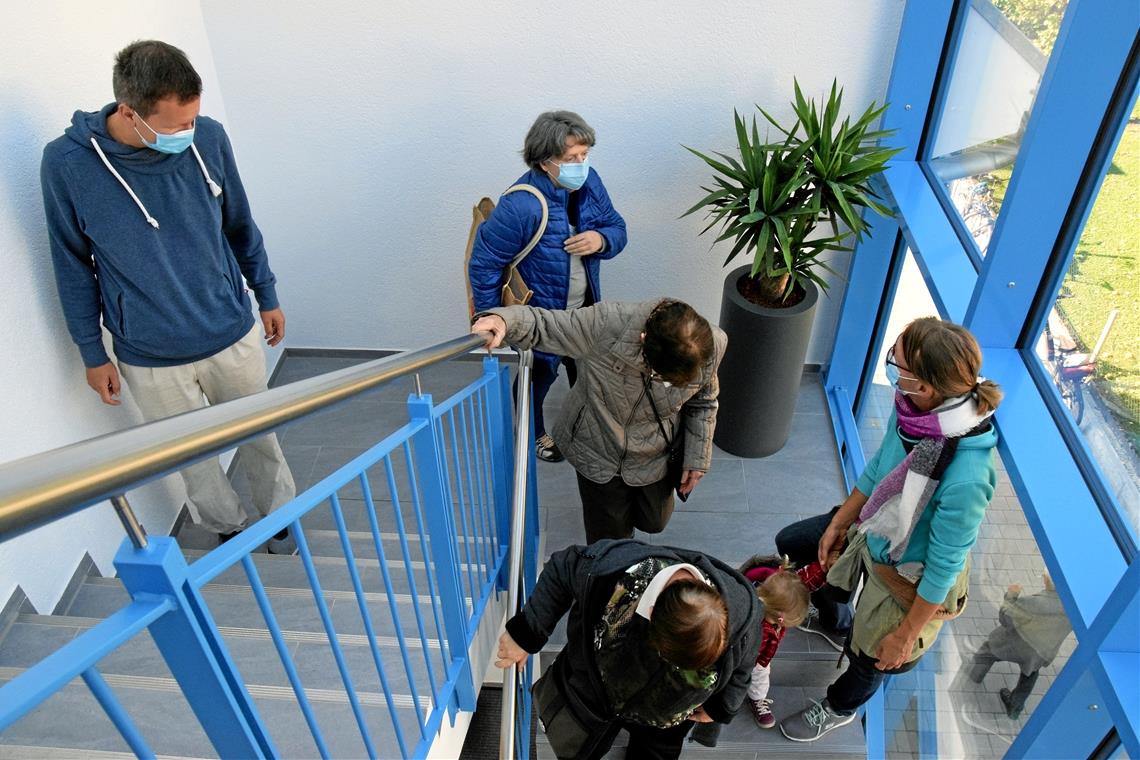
[[762, 712]]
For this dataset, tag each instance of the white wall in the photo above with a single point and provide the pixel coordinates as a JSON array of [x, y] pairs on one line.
[[368, 130], [365, 133], [57, 58]]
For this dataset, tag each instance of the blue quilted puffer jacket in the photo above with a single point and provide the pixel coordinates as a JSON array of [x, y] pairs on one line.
[[546, 269]]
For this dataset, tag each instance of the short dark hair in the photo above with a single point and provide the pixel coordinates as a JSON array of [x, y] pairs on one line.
[[148, 71], [678, 341], [546, 138], [689, 625]]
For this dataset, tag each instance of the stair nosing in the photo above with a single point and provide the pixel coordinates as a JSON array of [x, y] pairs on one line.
[[46, 751], [265, 691], [302, 637], [230, 588]]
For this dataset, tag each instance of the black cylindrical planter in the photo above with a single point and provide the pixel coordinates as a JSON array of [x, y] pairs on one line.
[[761, 370]]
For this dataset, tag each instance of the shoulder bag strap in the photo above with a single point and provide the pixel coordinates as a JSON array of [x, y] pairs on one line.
[[542, 225], [653, 406]]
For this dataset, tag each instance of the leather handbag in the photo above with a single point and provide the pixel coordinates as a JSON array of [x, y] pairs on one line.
[[515, 291]]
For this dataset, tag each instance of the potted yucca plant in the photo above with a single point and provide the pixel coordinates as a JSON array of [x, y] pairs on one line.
[[786, 204]]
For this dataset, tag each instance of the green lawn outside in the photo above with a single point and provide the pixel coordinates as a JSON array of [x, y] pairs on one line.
[[1104, 275]]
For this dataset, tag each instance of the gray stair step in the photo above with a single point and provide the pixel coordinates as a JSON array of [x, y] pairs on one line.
[[30, 752], [234, 606], [33, 637], [72, 719]]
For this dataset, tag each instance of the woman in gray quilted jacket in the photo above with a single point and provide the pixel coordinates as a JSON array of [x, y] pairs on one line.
[[647, 374]]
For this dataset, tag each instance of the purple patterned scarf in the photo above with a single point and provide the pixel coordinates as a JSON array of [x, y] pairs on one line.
[[897, 502]]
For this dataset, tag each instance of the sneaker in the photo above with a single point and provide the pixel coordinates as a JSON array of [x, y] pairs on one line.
[[546, 450], [223, 537], [813, 722], [282, 543], [762, 712], [811, 624], [1012, 710]]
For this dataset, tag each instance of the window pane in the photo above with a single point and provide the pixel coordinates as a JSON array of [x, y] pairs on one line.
[[939, 709], [1001, 654], [912, 300], [1099, 379], [1001, 57]]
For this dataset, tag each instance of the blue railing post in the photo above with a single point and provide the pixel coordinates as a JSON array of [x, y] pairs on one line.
[[438, 514], [499, 412], [193, 649]]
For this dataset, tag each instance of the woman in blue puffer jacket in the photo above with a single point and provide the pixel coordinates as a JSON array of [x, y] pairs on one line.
[[582, 229]]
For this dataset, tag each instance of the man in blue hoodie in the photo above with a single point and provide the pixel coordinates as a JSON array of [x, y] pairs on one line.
[[151, 234]]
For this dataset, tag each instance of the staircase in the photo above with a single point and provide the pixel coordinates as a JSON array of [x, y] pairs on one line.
[[71, 723]]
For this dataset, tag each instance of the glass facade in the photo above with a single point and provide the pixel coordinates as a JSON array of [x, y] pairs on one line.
[[1023, 111], [1002, 52], [1090, 342]]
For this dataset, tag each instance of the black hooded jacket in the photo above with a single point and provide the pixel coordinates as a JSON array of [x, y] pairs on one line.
[[581, 580]]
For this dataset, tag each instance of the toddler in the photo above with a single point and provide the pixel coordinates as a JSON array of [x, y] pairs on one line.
[[785, 597]]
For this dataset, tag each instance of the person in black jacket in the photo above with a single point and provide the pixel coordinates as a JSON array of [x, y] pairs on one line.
[[658, 638]]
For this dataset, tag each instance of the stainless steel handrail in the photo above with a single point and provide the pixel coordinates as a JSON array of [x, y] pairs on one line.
[[45, 487], [518, 530]]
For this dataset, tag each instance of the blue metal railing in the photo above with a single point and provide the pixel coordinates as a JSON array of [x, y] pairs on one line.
[[449, 472]]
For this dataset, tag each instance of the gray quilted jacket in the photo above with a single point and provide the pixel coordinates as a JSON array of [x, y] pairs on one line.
[[607, 424]]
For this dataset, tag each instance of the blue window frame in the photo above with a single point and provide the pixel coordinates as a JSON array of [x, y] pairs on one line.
[[1087, 87]]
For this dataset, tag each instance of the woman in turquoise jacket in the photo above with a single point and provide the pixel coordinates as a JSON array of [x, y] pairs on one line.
[[908, 526]]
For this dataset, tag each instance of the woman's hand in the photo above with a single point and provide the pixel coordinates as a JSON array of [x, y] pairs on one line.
[[700, 716], [584, 243], [894, 649], [509, 652], [689, 480], [831, 544], [494, 324]]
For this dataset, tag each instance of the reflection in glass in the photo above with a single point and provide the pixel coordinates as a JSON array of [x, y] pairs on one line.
[[1090, 344], [1002, 54], [973, 692]]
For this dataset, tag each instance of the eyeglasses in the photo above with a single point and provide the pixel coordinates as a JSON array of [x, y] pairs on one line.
[[891, 360]]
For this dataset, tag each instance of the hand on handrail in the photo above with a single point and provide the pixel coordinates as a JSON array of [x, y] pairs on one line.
[[509, 652], [494, 325]]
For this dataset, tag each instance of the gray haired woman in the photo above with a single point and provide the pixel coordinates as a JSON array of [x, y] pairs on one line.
[[582, 229]]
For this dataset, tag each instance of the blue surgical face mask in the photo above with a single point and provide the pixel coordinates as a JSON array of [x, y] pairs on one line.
[[573, 175], [175, 143], [893, 377]]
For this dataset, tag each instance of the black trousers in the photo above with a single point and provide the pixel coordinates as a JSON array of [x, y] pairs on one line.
[[859, 682], [645, 742], [800, 542], [614, 509]]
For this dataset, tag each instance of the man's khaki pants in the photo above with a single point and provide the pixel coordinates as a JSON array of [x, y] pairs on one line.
[[231, 373]]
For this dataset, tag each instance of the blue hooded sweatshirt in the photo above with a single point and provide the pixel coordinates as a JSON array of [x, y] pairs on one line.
[[156, 245]]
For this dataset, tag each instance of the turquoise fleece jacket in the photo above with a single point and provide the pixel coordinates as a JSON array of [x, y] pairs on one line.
[[949, 525]]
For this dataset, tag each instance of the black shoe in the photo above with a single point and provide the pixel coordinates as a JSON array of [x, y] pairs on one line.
[[223, 537], [282, 543], [705, 734], [546, 450], [1012, 710]]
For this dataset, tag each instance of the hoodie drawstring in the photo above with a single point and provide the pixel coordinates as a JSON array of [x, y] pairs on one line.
[[149, 219], [214, 187]]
